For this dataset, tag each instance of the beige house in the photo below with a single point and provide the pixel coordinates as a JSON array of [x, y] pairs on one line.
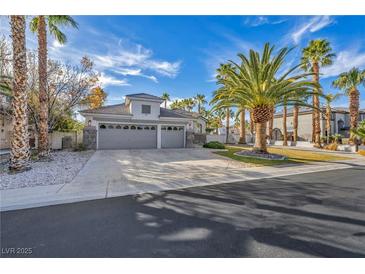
[[340, 123]]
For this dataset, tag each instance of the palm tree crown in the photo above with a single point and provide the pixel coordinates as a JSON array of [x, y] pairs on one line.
[[200, 100], [318, 51], [350, 80], [54, 21], [257, 84], [166, 97]]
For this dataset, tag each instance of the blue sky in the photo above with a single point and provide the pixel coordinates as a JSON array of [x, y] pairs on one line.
[[179, 54]]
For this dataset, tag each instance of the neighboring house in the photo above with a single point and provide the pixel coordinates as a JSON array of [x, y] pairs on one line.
[[340, 123], [140, 122]]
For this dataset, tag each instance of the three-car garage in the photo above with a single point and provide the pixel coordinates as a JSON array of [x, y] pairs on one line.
[[139, 136]]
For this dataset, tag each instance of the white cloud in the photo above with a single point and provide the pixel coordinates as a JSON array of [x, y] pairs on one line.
[[314, 24], [107, 80], [256, 21], [134, 72], [133, 60], [57, 44], [344, 61], [164, 68]]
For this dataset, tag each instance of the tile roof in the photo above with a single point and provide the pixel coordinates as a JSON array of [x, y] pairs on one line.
[[144, 96], [120, 109]]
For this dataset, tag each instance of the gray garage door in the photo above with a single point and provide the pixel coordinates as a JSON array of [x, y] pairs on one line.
[[115, 136], [172, 137]]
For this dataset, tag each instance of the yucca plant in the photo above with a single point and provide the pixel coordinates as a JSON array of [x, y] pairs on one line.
[[257, 82]]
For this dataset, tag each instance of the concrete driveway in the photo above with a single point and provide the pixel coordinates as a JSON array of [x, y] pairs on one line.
[[112, 173], [123, 172]]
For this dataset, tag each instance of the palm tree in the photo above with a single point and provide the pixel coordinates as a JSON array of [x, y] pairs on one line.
[[252, 125], [285, 130], [349, 82], [200, 101], [257, 82], [242, 113], [271, 123], [330, 98], [176, 104], [19, 155], [166, 97], [188, 104], [222, 97], [317, 54], [39, 25]]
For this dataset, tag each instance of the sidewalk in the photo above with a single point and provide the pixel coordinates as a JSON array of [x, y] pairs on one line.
[[29, 197]]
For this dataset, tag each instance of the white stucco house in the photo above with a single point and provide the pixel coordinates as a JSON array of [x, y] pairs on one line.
[[141, 122], [340, 123]]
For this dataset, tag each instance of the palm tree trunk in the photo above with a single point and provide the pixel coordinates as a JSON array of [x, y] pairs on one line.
[[43, 149], [165, 103], [199, 108], [285, 131], [227, 125], [260, 117], [295, 123], [242, 127], [354, 112], [317, 122], [19, 154], [252, 124], [260, 137], [328, 122], [271, 123]]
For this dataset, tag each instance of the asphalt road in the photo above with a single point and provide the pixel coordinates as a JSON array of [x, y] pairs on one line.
[[311, 215]]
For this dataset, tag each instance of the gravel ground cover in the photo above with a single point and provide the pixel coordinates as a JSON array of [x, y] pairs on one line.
[[64, 166]]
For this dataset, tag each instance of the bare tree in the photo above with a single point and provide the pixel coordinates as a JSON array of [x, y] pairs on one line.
[[67, 85]]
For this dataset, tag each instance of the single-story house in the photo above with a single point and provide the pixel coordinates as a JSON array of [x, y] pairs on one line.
[[141, 122]]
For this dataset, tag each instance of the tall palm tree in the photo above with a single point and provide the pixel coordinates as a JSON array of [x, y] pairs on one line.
[[330, 98], [222, 97], [285, 130], [166, 97], [242, 113], [349, 82], [271, 123], [19, 154], [317, 54], [188, 104], [295, 122], [252, 125], [39, 25], [200, 101], [256, 80]]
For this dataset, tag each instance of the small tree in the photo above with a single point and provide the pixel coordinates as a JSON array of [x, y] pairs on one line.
[[95, 99]]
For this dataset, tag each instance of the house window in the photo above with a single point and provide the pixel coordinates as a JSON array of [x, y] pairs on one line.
[[146, 109]]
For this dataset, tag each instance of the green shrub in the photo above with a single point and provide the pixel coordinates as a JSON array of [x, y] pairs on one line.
[[215, 145], [80, 147]]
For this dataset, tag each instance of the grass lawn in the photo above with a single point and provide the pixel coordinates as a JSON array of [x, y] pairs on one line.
[[294, 156]]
